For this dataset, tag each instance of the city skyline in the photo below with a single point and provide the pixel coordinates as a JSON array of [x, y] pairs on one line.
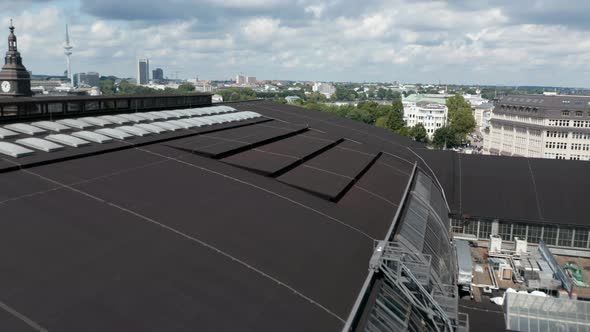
[[455, 42]]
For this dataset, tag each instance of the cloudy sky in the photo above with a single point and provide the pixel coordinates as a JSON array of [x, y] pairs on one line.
[[511, 42]]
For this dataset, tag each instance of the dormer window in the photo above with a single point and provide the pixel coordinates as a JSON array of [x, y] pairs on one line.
[[565, 113]]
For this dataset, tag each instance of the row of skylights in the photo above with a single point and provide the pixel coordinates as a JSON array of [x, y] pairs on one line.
[[121, 127]]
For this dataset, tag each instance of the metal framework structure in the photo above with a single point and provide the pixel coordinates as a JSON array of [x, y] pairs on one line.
[[412, 284]]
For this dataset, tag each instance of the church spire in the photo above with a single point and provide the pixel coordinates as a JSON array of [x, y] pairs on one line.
[[11, 39]]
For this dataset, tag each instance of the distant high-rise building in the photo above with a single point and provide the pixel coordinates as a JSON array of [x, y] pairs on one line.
[[240, 79], [250, 80], [158, 74], [143, 71], [68, 53]]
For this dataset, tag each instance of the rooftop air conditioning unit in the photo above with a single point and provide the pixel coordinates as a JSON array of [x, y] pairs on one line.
[[495, 243]]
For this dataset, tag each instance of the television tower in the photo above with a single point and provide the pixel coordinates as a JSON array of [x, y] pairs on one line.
[[68, 52]]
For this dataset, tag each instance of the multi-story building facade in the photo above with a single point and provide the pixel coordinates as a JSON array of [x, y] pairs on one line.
[[540, 126], [143, 71], [326, 89], [430, 111], [158, 75]]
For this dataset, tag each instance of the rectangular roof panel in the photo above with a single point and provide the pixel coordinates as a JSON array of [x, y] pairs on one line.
[[92, 137], [50, 125], [137, 131], [5, 133], [114, 119], [74, 123], [39, 144], [114, 133], [132, 117], [67, 140], [100, 122], [14, 150], [151, 128], [25, 129]]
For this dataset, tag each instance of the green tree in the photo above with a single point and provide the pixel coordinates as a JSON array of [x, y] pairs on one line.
[[186, 87], [418, 133], [381, 93], [460, 115], [381, 122], [107, 87], [395, 119], [445, 137]]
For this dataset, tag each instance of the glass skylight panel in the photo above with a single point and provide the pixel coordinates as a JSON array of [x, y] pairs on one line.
[[132, 117], [151, 128], [114, 119], [160, 115], [147, 116], [78, 124], [13, 150], [92, 137], [174, 114], [67, 140], [185, 113], [194, 112], [49, 125], [114, 133], [25, 128], [182, 124], [100, 122], [134, 130], [39, 144], [166, 125], [5, 133]]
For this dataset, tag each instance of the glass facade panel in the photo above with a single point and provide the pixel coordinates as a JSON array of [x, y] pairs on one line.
[[565, 237], [519, 231], [534, 234], [470, 227], [581, 238], [550, 235], [505, 231], [485, 229], [457, 226]]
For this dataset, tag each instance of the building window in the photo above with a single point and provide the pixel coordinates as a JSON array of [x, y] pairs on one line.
[[470, 227], [550, 235], [534, 234], [579, 113], [565, 237], [485, 229], [519, 231], [565, 113], [581, 238], [505, 231]]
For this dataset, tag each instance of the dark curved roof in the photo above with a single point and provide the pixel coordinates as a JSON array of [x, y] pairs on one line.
[[259, 226], [265, 226]]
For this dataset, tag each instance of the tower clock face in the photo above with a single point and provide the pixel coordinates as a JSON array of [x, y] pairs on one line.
[[5, 86]]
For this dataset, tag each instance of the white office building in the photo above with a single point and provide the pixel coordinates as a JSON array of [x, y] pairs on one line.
[[430, 111], [540, 126], [326, 89]]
